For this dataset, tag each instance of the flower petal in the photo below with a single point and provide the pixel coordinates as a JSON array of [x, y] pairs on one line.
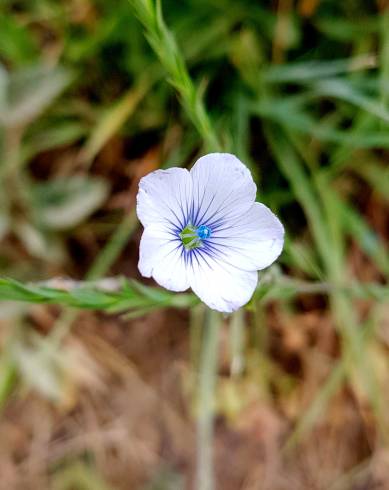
[[219, 285], [165, 196], [222, 189], [251, 242], [161, 257]]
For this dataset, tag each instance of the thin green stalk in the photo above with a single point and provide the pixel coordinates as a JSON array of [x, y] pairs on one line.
[[331, 386], [8, 375], [162, 41], [114, 247], [205, 479], [114, 292], [261, 345], [114, 117], [237, 342], [384, 58]]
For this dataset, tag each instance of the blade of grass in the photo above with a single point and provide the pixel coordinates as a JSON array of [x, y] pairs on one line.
[[369, 242], [324, 223], [313, 70], [115, 245], [8, 377], [344, 90], [318, 405], [289, 165], [384, 58], [164, 45], [343, 309], [115, 117]]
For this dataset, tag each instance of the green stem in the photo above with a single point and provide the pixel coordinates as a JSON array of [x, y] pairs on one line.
[[205, 479], [112, 250], [163, 42], [237, 342]]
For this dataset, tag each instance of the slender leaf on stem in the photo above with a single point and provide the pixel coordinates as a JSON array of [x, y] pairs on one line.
[[115, 296], [164, 44]]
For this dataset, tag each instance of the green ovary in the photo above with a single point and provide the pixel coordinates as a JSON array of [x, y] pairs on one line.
[[190, 238]]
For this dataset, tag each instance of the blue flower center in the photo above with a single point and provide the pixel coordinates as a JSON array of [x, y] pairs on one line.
[[203, 232], [192, 236]]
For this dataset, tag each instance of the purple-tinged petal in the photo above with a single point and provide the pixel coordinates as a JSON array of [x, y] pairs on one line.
[[165, 196], [252, 242], [161, 256], [223, 189]]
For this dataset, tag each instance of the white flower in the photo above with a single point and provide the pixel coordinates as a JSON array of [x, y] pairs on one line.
[[204, 230]]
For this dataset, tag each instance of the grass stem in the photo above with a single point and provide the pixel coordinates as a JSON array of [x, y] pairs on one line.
[[205, 479]]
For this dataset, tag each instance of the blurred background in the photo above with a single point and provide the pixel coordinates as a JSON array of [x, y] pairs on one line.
[[299, 91]]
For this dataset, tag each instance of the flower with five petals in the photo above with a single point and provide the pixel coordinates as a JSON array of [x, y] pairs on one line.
[[204, 230]]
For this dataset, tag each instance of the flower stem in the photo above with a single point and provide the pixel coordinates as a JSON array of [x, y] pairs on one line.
[[205, 479], [114, 247]]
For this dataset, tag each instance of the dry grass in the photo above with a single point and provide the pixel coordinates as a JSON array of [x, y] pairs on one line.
[[126, 413]]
